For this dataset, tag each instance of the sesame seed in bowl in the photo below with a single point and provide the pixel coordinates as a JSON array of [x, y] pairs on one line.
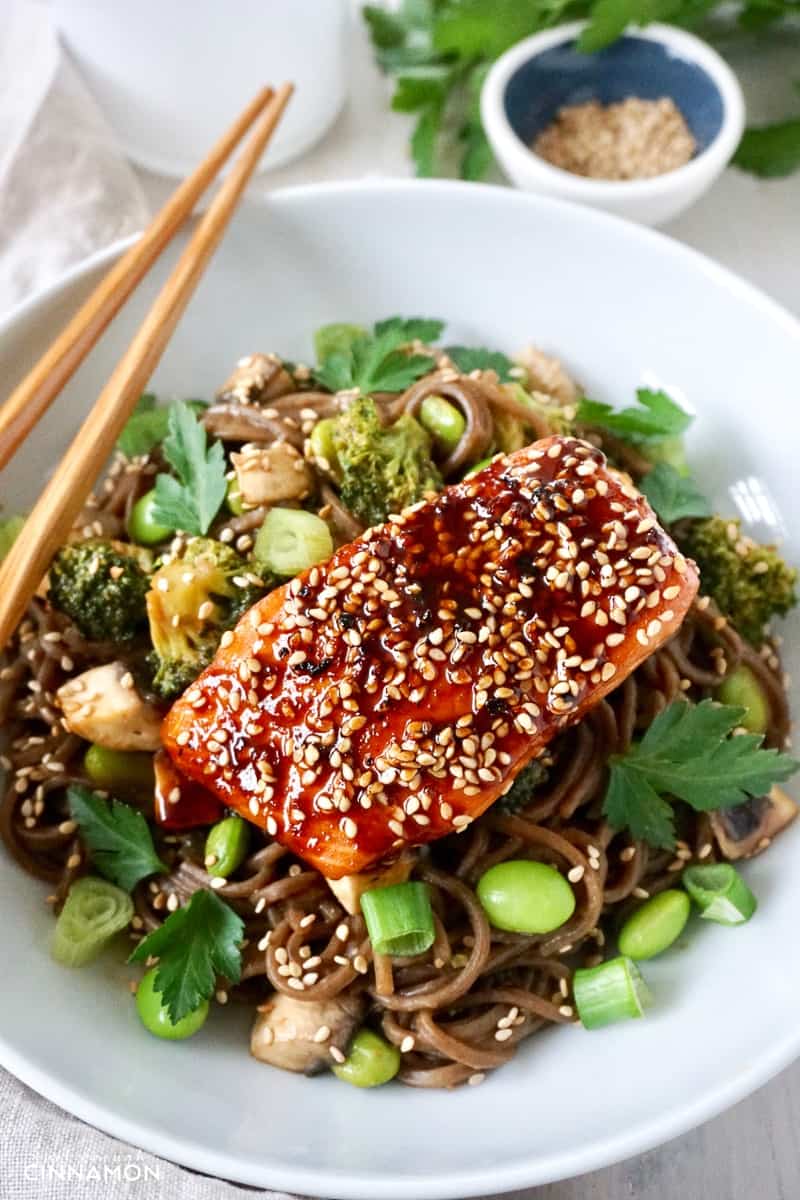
[[641, 128]]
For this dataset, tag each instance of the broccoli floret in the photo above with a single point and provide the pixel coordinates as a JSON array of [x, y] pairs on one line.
[[383, 468], [525, 784], [750, 583], [193, 598], [101, 586]]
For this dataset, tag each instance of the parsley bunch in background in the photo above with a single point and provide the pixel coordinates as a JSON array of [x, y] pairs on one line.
[[439, 52]]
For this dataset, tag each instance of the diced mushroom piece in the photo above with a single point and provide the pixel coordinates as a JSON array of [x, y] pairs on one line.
[[546, 374], [747, 829], [257, 379], [350, 888], [103, 706], [297, 1035], [271, 474]]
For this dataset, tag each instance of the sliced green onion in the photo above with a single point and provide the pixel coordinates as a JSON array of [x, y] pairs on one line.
[[372, 1061], [655, 925], [292, 540], [399, 918], [720, 893], [443, 421], [94, 911], [612, 991]]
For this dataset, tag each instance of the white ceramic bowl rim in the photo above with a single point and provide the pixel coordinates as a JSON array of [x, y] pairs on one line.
[[496, 1176], [684, 45]]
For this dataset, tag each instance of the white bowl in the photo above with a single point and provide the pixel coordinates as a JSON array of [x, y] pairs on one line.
[[171, 77], [688, 71], [505, 269]]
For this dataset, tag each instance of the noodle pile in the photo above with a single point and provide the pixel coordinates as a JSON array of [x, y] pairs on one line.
[[463, 1007]]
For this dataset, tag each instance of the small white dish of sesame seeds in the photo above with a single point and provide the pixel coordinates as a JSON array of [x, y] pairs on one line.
[[641, 128], [623, 308]]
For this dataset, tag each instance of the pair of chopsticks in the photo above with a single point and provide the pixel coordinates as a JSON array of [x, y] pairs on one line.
[[54, 514]]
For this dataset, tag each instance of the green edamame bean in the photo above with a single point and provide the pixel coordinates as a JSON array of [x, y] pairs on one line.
[[655, 925], [371, 1062], [226, 846], [443, 421], [233, 498], [155, 1018], [113, 770], [323, 443], [743, 689], [526, 897], [142, 526]]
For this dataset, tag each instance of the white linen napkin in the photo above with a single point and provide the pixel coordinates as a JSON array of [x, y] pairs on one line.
[[65, 189], [44, 1152]]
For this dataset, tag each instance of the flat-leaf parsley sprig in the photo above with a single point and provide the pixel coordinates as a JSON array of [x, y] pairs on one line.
[[690, 753], [193, 946], [189, 502], [117, 835], [379, 361]]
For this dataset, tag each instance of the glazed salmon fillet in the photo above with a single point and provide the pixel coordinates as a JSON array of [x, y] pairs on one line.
[[389, 696]]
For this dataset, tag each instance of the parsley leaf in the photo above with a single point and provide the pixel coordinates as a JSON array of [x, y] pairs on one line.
[[409, 329], [610, 18], [632, 804], [673, 495], [117, 835], [770, 151], [385, 28], [688, 752], [657, 417], [421, 87], [378, 362], [472, 358], [449, 40], [191, 501], [423, 141], [145, 428], [484, 28], [194, 945]]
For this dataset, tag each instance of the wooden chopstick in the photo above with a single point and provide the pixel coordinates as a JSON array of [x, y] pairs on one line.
[[31, 399], [55, 511]]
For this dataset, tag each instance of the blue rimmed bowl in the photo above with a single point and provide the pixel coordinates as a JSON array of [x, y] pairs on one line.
[[528, 85]]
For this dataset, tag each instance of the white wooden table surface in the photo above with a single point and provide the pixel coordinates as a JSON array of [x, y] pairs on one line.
[[751, 1152]]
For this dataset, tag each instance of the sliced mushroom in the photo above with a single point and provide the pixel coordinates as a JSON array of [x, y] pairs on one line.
[[546, 374], [103, 706], [270, 474], [350, 888], [257, 379], [746, 829], [245, 423], [296, 1035]]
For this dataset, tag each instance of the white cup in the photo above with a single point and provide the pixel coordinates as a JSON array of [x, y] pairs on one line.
[[171, 75]]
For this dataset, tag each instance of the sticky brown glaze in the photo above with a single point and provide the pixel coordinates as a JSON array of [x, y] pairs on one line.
[[388, 697]]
